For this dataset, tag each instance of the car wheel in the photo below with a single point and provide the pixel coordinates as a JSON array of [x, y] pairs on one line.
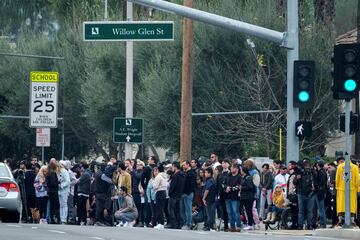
[[11, 217]]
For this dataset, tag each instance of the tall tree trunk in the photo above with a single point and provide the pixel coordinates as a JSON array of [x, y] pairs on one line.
[[325, 13]]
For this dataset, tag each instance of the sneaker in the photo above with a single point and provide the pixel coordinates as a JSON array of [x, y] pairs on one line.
[[131, 224], [159, 226], [185, 227], [120, 224], [168, 226], [257, 227], [126, 224], [99, 224], [82, 224], [248, 228]]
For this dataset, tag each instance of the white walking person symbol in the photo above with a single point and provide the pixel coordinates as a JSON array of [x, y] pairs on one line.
[[300, 130]]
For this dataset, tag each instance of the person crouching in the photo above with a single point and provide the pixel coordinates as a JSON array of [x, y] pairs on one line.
[[128, 213]]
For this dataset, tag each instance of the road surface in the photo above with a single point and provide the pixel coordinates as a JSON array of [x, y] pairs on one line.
[[67, 232]]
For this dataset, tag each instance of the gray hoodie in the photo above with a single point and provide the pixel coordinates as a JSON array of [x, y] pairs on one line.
[[160, 182]]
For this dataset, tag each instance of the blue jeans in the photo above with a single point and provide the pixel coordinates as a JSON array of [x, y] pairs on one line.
[[321, 209], [306, 203], [210, 213], [233, 210], [276, 210], [187, 203]]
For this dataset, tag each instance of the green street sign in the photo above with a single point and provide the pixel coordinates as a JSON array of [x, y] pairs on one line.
[[128, 31], [128, 130]]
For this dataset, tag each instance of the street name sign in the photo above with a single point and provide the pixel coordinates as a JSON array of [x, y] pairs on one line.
[[43, 99], [128, 31], [43, 137], [128, 130]]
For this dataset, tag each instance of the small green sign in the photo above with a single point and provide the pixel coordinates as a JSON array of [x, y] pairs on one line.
[[128, 130], [128, 31]]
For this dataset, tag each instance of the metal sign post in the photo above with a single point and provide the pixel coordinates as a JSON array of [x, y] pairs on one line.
[[347, 150]]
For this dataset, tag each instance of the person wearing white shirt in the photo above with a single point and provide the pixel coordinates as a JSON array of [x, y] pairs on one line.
[[282, 179]]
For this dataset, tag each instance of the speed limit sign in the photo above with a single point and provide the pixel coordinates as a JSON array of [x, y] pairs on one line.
[[43, 99]]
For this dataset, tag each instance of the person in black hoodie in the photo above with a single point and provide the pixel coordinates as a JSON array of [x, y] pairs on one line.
[[221, 182], [102, 196], [247, 197], [321, 191], [175, 192], [29, 189], [188, 194], [83, 191], [52, 190], [305, 188], [232, 189], [145, 178]]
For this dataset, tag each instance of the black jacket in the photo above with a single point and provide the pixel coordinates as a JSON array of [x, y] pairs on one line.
[[306, 183], [221, 183], [234, 182], [190, 182], [321, 184], [248, 188], [135, 181], [146, 175], [29, 182], [266, 180], [100, 186], [177, 185], [52, 182], [84, 182]]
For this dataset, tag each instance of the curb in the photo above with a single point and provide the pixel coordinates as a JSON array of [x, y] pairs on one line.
[[338, 233]]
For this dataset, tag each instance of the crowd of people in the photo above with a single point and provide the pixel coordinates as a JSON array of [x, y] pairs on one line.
[[229, 195]]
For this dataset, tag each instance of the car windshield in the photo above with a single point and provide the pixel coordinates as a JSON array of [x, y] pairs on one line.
[[4, 172]]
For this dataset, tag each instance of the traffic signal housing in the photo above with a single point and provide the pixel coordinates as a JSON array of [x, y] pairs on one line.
[[354, 122], [303, 129], [346, 72], [304, 77]]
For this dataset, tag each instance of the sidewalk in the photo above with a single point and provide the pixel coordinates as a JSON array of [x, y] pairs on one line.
[[338, 233], [283, 232]]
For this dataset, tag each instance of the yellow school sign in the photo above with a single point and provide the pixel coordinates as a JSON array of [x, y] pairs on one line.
[[44, 77], [43, 99]]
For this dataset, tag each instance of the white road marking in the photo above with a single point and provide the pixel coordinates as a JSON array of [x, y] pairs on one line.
[[203, 233], [17, 226], [98, 238], [34, 227], [56, 231]]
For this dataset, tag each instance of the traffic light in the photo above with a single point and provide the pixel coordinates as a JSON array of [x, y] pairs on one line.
[[303, 129], [346, 72], [304, 77], [354, 122]]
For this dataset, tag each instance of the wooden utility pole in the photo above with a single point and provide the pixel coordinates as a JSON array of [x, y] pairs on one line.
[[187, 86]]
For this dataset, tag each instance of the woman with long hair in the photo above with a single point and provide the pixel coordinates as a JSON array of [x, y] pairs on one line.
[[40, 186], [52, 190]]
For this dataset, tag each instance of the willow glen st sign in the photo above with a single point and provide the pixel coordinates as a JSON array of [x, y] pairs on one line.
[[128, 31]]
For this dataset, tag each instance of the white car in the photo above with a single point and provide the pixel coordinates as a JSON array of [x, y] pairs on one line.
[[10, 199]]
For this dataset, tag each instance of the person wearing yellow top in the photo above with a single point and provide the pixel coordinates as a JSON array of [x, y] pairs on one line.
[[340, 190], [124, 180], [278, 201]]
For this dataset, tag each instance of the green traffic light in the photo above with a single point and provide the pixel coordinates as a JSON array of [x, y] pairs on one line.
[[304, 96], [350, 85]]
